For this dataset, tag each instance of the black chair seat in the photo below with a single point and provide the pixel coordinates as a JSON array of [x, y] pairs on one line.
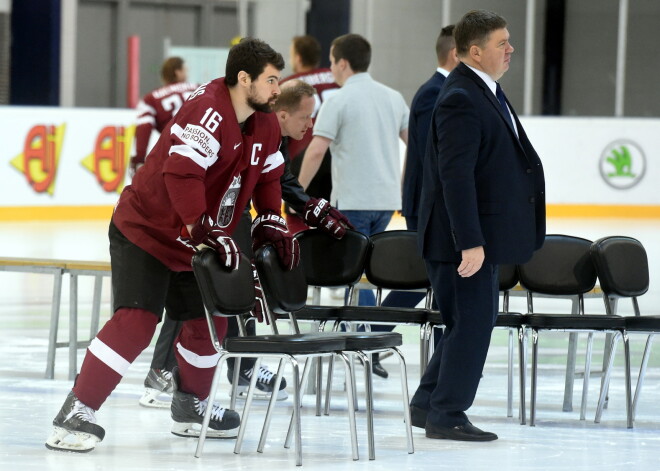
[[643, 323], [293, 344], [382, 314], [369, 340], [569, 322], [510, 319], [318, 313], [434, 317]]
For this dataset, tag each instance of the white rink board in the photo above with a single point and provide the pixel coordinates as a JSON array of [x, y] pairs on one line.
[[570, 148]]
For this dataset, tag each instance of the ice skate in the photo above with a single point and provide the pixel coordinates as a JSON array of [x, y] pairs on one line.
[[158, 384], [75, 428], [265, 383], [188, 413]]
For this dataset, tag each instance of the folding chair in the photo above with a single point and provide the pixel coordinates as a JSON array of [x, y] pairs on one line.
[[562, 267], [277, 284], [231, 293], [623, 271]]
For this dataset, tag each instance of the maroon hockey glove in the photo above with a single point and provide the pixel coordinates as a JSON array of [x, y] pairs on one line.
[[205, 232], [319, 213], [259, 298], [270, 228]]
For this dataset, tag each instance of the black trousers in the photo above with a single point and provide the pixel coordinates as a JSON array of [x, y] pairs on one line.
[[469, 307], [163, 358]]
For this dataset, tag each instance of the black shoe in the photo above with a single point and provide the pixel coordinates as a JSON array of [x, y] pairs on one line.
[[418, 416], [378, 369], [466, 432]]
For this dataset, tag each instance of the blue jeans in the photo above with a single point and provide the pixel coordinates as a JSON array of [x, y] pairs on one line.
[[369, 223]]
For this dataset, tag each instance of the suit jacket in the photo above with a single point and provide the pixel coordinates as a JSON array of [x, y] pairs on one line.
[[482, 184], [419, 122]]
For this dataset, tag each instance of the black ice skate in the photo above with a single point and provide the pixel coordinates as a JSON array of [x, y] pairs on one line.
[[188, 413], [265, 383], [157, 383], [75, 428]]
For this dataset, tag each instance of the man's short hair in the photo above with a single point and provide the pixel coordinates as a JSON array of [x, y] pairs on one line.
[[250, 55], [355, 49], [291, 94], [309, 50], [445, 43], [475, 28], [169, 68]]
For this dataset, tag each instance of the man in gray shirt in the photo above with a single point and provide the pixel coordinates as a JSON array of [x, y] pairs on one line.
[[361, 124]]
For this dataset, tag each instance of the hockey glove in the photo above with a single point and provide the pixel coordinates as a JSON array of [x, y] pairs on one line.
[[270, 228], [206, 233], [259, 298], [319, 213]]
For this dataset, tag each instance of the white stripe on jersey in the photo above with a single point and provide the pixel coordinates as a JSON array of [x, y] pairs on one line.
[[146, 119], [198, 145], [108, 356], [273, 161], [143, 108], [198, 361]]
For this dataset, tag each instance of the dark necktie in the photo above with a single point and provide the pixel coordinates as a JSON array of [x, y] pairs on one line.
[[499, 93]]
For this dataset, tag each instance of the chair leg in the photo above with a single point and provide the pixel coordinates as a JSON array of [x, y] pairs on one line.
[[366, 360], [54, 324], [319, 384], [209, 408], [328, 385], [297, 403], [423, 346], [349, 404], [509, 390], [271, 406], [300, 385], [587, 373], [522, 373], [629, 409], [535, 352], [642, 373], [406, 399], [246, 407], [606, 379]]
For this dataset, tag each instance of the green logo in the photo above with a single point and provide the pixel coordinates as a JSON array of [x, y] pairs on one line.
[[622, 164]]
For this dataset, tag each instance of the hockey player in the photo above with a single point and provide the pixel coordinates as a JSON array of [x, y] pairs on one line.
[[159, 106], [217, 153]]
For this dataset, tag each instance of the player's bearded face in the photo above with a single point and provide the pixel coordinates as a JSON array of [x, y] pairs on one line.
[[265, 105]]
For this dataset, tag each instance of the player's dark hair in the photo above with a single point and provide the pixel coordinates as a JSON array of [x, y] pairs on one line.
[[475, 28], [445, 43], [355, 49], [169, 68], [291, 94], [250, 55], [309, 50]]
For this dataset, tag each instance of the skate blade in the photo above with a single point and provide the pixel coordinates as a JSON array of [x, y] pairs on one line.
[[258, 395], [150, 399], [76, 442], [188, 429]]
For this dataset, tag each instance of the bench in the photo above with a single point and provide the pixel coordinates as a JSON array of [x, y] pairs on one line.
[[58, 268]]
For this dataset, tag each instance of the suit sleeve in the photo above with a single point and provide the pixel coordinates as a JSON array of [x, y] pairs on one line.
[[458, 134], [292, 192]]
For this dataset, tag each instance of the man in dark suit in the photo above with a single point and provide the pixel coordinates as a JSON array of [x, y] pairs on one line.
[[482, 204], [419, 122]]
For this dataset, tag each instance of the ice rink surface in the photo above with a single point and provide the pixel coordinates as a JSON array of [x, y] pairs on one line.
[[138, 438]]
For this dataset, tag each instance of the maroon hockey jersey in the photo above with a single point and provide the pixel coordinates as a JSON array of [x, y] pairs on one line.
[[155, 110], [324, 83], [203, 162]]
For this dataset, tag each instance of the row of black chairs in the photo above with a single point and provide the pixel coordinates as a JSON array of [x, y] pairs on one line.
[[569, 266]]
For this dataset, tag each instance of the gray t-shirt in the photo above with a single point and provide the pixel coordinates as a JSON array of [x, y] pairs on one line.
[[363, 119]]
